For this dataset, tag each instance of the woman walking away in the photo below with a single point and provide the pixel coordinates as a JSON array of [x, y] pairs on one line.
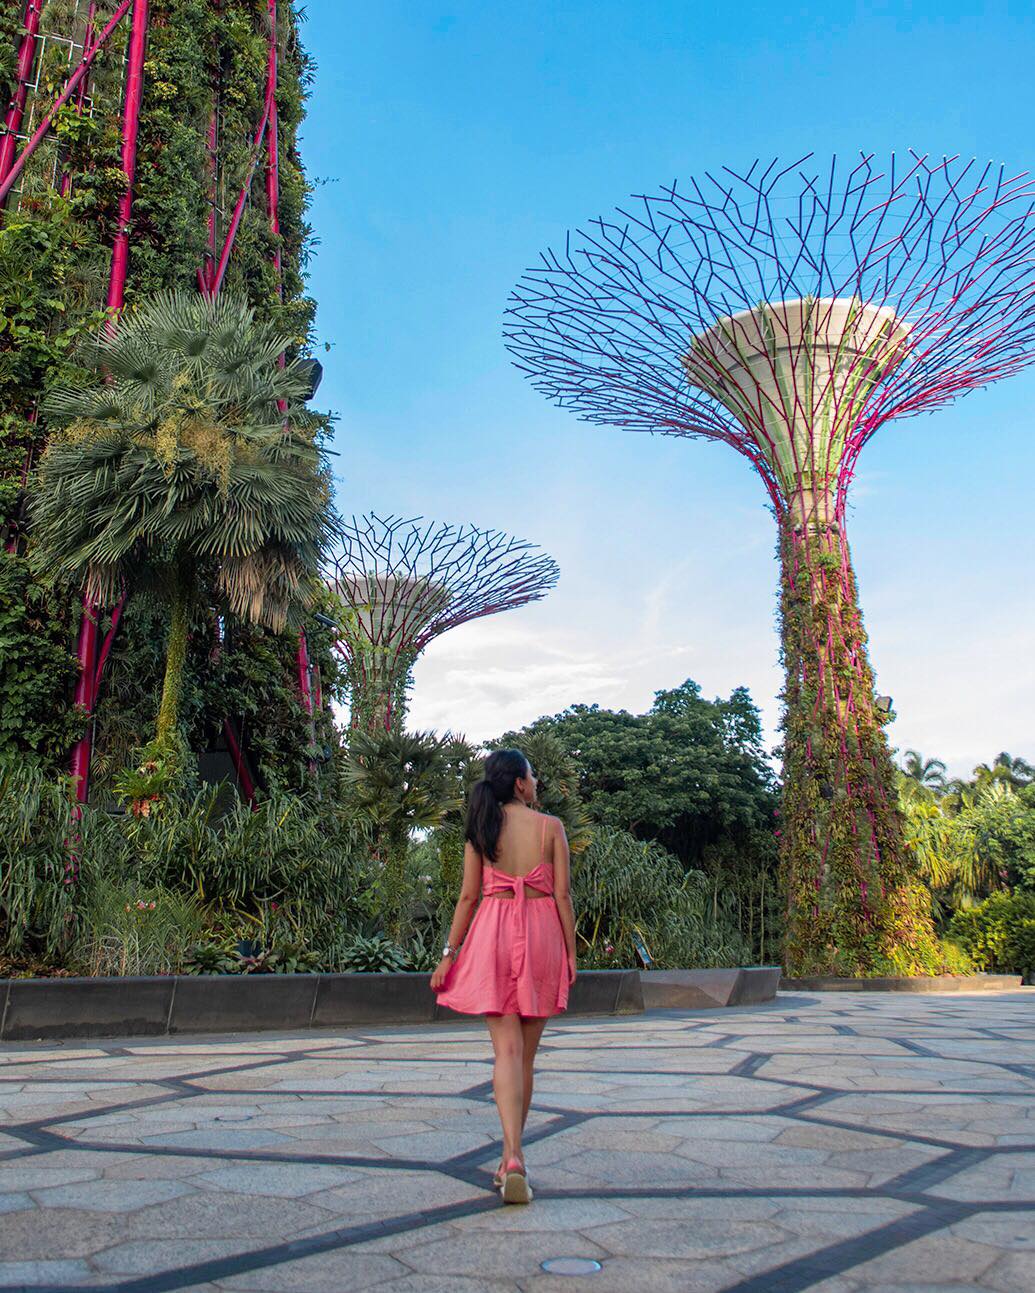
[[518, 960]]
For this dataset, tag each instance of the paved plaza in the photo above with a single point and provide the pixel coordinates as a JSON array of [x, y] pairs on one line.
[[837, 1143]]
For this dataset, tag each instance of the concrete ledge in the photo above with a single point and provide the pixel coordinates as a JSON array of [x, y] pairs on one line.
[[708, 989], [39, 1009], [755, 984], [42, 1008], [933, 983], [373, 999], [242, 1003]]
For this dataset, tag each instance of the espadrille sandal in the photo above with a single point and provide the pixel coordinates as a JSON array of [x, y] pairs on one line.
[[515, 1188]]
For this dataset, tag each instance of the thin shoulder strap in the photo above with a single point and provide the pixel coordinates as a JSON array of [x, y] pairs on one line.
[[542, 842]]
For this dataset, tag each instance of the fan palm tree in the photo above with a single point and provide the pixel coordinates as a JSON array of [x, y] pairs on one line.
[[1006, 770], [191, 453]]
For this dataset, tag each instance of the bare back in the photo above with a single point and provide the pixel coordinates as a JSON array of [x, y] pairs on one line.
[[525, 841]]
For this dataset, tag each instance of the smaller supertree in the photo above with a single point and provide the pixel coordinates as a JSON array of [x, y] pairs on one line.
[[401, 583]]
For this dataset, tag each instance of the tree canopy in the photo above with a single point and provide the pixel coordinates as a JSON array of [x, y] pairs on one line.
[[690, 773]]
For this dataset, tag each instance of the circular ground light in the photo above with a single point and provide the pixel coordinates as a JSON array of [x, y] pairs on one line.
[[571, 1266]]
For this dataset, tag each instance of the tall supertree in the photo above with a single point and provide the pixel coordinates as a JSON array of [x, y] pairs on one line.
[[788, 312], [401, 583]]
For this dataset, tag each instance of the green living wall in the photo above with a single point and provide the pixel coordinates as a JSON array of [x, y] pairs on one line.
[[55, 242]]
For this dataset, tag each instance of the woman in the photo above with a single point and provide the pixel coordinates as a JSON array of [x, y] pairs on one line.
[[518, 960]]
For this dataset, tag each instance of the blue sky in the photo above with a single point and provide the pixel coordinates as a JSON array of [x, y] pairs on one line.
[[451, 143]]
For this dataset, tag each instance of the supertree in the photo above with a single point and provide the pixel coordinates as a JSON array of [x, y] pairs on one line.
[[401, 583], [788, 312], [147, 144]]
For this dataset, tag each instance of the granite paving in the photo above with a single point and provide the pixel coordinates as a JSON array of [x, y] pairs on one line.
[[862, 1143]]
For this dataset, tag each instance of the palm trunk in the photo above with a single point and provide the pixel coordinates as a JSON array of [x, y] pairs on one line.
[[175, 659], [854, 905]]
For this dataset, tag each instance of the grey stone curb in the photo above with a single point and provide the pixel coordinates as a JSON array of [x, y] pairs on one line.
[[935, 983], [40, 1009]]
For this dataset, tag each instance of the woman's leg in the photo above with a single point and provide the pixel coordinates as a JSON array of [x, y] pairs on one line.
[[508, 1079], [531, 1032]]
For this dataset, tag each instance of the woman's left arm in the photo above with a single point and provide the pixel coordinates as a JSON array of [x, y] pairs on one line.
[[562, 893], [470, 890]]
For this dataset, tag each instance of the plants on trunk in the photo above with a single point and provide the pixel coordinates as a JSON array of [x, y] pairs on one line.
[[854, 906]]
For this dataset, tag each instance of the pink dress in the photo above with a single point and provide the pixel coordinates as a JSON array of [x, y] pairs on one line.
[[514, 960]]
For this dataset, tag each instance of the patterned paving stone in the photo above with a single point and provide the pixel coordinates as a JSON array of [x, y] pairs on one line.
[[857, 1145]]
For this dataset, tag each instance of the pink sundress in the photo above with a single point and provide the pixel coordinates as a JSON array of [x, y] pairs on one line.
[[513, 960]]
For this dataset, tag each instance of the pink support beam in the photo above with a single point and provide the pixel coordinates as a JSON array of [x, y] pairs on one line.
[[86, 648], [244, 776], [256, 150], [273, 148], [304, 673], [273, 212], [109, 639], [23, 72], [130, 128]]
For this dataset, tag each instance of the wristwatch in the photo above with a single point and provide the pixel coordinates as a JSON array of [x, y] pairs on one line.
[[448, 951]]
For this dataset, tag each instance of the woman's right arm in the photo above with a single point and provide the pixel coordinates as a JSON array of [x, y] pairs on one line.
[[562, 893], [468, 900]]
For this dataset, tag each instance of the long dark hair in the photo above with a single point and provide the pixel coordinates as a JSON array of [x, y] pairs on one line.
[[496, 788]]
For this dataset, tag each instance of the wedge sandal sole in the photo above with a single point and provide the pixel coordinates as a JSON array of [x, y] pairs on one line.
[[516, 1188]]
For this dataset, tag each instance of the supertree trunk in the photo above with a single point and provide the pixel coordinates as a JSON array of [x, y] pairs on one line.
[[378, 693], [852, 907]]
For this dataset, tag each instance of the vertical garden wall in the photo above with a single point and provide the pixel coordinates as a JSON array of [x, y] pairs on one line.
[[206, 74]]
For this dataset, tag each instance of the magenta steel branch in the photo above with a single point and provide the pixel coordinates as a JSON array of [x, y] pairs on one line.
[[402, 583], [789, 312], [947, 247]]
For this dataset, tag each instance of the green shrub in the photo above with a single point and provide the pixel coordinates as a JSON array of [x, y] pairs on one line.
[[48, 860], [999, 933], [211, 958], [375, 955], [627, 891], [954, 959], [290, 848], [130, 929]]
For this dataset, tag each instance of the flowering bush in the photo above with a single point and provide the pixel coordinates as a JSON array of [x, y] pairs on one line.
[[127, 930]]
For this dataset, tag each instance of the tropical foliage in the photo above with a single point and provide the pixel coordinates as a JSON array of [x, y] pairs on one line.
[[635, 904], [191, 463], [690, 775], [55, 246], [999, 933]]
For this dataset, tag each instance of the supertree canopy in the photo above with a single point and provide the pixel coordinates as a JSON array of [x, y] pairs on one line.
[[789, 312], [147, 145], [401, 583]]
